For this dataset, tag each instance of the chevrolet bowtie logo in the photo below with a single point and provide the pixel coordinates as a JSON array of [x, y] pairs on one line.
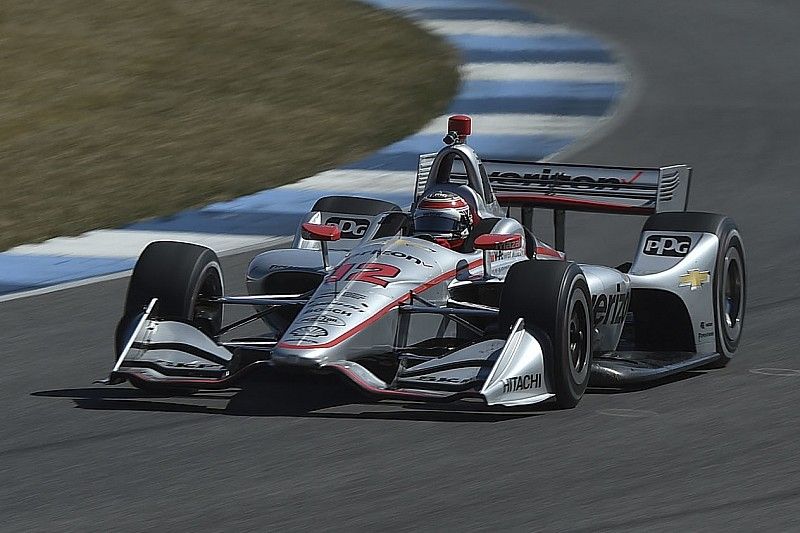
[[694, 278]]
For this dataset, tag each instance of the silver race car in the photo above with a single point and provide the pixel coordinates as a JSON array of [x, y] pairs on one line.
[[454, 298]]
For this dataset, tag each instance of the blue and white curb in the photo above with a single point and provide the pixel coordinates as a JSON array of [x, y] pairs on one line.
[[531, 87]]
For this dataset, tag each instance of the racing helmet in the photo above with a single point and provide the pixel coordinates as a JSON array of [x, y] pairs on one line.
[[445, 216]]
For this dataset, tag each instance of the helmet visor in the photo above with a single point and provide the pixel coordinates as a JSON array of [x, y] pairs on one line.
[[436, 224]]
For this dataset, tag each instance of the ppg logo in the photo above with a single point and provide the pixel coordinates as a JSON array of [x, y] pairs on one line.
[[351, 228], [667, 245]]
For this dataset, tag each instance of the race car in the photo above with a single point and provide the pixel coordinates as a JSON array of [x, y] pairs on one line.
[[453, 298]]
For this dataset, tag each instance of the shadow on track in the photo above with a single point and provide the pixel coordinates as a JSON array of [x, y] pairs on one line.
[[304, 397], [309, 397], [689, 374]]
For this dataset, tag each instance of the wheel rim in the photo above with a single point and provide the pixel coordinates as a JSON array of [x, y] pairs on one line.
[[732, 295], [205, 314], [577, 343]]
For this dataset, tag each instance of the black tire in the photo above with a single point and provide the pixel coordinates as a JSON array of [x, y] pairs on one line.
[[178, 274], [729, 281], [553, 298]]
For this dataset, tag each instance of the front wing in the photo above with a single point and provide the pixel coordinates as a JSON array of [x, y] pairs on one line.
[[507, 371]]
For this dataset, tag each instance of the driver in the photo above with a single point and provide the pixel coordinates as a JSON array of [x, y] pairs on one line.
[[445, 216]]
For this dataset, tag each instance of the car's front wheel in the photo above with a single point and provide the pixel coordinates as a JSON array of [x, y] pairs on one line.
[[185, 278], [553, 298]]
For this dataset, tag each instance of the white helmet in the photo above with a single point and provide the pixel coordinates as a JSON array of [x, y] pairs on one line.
[[445, 216]]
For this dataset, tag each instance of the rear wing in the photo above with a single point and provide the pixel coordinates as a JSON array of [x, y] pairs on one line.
[[619, 190], [558, 186]]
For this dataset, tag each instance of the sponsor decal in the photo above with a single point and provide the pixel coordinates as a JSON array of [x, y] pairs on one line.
[[345, 294], [525, 382], [416, 244], [280, 267], [324, 319], [351, 228], [706, 334], [375, 273], [353, 295], [501, 270], [500, 255], [667, 245], [551, 180], [190, 364], [337, 308], [442, 379], [309, 331], [377, 252], [610, 309], [694, 279]]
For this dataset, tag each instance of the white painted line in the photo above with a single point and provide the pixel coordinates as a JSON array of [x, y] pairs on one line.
[[781, 372], [501, 28], [64, 286], [278, 242], [359, 180], [578, 72], [121, 243], [520, 124]]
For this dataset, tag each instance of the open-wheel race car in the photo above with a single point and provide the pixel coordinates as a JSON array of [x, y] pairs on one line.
[[454, 298]]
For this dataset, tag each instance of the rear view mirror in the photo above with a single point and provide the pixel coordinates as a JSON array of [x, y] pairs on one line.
[[321, 232], [495, 241], [324, 234], [498, 241]]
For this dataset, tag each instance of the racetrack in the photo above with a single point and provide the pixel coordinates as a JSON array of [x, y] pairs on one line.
[[716, 86]]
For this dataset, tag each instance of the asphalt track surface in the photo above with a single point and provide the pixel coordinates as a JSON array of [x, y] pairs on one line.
[[716, 86]]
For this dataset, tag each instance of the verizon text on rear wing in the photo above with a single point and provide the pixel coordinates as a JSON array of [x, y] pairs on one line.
[[635, 191]]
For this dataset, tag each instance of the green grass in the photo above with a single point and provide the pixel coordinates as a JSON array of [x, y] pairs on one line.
[[116, 110]]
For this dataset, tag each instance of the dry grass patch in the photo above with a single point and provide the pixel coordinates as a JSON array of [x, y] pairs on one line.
[[116, 110]]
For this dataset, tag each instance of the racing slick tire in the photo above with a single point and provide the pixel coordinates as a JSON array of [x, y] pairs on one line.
[[729, 281], [553, 298], [179, 274]]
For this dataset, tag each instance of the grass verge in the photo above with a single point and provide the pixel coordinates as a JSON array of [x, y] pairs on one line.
[[117, 110]]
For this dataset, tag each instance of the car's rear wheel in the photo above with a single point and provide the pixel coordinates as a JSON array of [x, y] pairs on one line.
[[730, 291], [730, 280], [552, 297], [184, 278]]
